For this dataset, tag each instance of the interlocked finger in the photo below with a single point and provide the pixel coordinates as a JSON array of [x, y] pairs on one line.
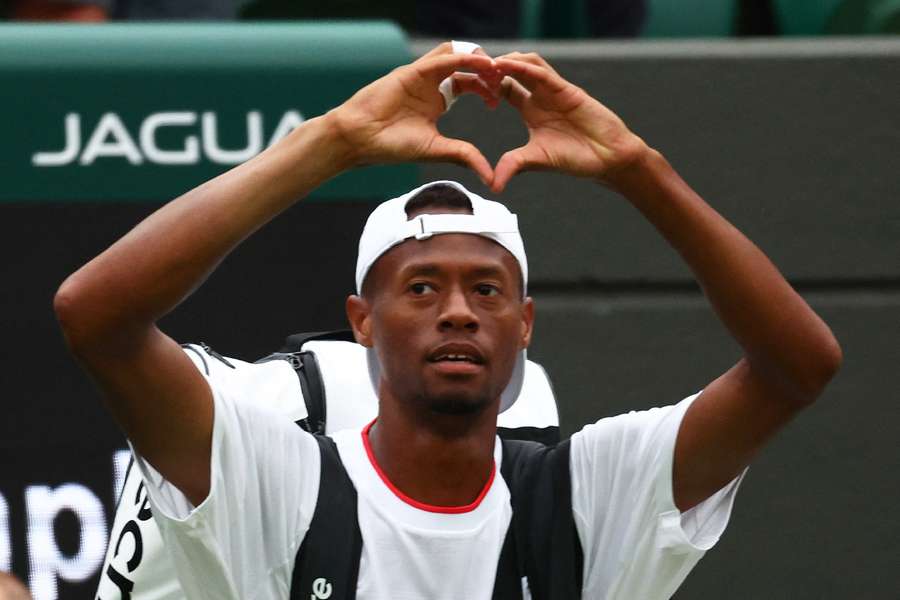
[[533, 77], [467, 83], [529, 57], [438, 68], [514, 92]]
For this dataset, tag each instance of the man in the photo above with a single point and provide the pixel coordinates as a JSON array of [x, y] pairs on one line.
[[445, 313]]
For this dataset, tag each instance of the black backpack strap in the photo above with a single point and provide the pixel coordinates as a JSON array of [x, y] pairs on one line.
[[542, 542], [307, 369], [294, 343], [548, 436], [327, 563]]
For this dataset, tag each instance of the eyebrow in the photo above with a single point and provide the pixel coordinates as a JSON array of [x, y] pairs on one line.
[[436, 269]]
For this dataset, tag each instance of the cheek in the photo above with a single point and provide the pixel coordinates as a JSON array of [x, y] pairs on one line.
[[397, 329]]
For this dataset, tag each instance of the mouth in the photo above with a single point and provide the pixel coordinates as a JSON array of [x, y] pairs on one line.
[[457, 353], [457, 358]]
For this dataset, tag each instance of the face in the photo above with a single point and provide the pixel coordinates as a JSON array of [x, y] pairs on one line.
[[447, 320]]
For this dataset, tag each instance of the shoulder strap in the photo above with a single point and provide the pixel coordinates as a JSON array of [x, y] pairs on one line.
[[294, 342], [545, 435], [307, 368], [327, 563], [542, 544]]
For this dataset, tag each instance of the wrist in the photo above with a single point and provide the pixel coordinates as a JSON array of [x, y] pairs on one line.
[[340, 137], [638, 161]]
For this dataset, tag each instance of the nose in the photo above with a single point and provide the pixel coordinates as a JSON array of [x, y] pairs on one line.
[[457, 313]]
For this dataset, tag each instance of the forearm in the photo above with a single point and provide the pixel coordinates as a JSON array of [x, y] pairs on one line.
[[160, 262], [784, 341]]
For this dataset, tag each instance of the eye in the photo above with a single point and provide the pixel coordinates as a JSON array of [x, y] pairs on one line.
[[420, 288], [487, 289]]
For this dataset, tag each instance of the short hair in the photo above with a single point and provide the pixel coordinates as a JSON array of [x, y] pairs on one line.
[[440, 196]]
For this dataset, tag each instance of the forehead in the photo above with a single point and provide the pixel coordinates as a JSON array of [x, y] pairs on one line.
[[448, 252]]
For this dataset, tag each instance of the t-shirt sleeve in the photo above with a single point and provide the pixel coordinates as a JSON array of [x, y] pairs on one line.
[[636, 543], [240, 542]]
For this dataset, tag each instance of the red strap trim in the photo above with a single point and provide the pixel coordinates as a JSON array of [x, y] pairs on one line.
[[452, 510]]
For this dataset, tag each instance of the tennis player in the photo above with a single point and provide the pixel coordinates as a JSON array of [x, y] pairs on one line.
[[622, 510]]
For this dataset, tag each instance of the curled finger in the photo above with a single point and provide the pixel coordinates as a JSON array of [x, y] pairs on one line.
[[530, 57], [524, 158], [532, 76], [462, 153], [467, 83], [514, 92]]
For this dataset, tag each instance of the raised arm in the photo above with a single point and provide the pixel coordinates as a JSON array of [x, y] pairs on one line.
[[790, 354], [108, 309]]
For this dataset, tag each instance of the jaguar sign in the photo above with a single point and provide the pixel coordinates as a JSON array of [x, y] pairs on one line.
[[199, 136]]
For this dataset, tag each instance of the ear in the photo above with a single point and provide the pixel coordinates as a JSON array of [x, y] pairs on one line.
[[527, 321], [359, 317]]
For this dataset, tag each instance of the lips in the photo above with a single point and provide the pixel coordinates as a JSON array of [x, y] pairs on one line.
[[457, 353]]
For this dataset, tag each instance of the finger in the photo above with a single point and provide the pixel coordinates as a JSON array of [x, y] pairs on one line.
[[532, 76], [524, 158], [467, 83], [442, 48], [461, 153], [438, 68], [529, 57], [454, 47], [514, 92]]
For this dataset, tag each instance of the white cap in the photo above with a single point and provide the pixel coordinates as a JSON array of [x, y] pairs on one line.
[[388, 225]]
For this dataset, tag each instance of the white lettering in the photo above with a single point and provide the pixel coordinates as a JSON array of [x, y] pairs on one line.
[[69, 152], [5, 545], [121, 460], [231, 157], [321, 589], [46, 559], [122, 145], [111, 139], [290, 121], [187, 155]]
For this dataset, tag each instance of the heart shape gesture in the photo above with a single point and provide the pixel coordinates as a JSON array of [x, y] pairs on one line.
[[394, 119]]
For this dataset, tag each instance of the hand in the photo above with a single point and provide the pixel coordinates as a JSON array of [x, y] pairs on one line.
[[394, 118], [569, 131]]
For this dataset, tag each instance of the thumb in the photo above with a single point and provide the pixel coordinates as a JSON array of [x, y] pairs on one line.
[[462, 153], [524, 158]]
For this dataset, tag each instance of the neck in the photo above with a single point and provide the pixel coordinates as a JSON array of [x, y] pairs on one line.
[[439, 460]]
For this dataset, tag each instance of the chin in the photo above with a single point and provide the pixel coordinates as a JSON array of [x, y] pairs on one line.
[[457, 404]]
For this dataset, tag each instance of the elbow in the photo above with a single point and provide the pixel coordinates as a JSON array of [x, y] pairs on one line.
[[831, 361], [80, 317], [91, 323], [68, 305], [823, 365]]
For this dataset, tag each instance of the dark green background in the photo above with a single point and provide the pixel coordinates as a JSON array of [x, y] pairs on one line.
[[47, 71]]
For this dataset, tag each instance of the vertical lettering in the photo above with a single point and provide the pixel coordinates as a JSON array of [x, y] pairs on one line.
[[124, 585]]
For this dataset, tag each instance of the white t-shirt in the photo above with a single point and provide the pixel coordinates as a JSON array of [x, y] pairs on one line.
[[241, 541]]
